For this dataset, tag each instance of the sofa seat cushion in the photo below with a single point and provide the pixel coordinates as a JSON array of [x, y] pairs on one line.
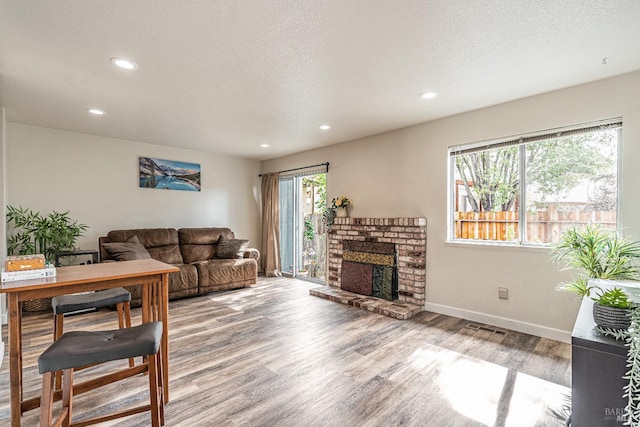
[[200, 244], [182, 283], [161, 243], [218, 274]]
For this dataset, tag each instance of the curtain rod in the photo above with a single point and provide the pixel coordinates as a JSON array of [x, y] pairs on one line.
[[304, 167]]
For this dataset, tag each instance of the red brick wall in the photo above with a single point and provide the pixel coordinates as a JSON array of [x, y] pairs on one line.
[[410, 237]]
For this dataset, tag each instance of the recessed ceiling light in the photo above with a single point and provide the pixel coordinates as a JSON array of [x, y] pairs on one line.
[[124, 63], [96, 111], [325, 127], [264, 145], [428, 95]]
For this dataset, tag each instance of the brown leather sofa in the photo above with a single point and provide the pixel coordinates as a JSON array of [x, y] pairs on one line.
[[195, 251]]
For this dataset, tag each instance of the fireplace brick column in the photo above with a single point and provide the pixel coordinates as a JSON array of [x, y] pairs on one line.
[[408, 234]]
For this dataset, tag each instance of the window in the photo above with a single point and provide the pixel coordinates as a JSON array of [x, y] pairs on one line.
[[530, 188]]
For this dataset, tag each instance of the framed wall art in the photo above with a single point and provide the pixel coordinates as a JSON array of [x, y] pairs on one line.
[[169, 174]]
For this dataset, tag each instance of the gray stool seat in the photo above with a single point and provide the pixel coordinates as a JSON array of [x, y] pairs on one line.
[[75, 302], [82, 348]]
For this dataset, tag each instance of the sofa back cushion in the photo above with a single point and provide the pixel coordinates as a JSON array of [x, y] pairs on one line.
[[161, 243], [199, 244]]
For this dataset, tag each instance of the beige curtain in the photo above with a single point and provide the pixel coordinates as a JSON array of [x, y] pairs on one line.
[[270, 256]]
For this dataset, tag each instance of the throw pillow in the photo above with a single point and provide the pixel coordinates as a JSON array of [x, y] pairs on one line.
[[130, 250], [231, 248]]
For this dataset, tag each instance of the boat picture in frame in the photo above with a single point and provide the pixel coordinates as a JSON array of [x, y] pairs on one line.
[[169, 174]]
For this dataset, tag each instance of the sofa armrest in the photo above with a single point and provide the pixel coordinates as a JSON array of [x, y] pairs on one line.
[[104, 254], [252, 253]]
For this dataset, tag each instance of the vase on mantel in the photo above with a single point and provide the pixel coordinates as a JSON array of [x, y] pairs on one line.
[[341, 213]]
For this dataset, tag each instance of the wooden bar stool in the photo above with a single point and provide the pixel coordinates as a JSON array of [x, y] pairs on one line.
[[82, 348], [64, 304]]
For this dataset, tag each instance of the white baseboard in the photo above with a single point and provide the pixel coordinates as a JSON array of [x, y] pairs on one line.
[[502, 322]]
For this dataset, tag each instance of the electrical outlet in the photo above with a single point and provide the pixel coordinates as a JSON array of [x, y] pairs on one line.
[[503, 293]]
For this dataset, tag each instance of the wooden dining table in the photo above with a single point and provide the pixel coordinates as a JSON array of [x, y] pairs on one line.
[[152, 275]]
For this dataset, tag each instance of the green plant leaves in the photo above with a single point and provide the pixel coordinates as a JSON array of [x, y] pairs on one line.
[[615, 297], [631, 391], [29, 232], [600, 254], [579, 286], [328, 216]]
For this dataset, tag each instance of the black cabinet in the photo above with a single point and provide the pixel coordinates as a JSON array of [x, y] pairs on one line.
[[597, 366]]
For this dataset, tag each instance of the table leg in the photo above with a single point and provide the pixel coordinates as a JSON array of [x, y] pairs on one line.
[[155, 302], [15, 358], [155, 306], [164, 315], [146, 302]]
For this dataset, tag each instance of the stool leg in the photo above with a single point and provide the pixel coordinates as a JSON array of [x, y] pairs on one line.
[[57, 326], [67, 396], [58, 330], [153, 390], [46, 399], [160, 385], [127, 313], [120, 316], [124, 318]]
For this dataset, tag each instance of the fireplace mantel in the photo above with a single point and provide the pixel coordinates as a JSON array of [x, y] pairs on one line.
[[410, 237]]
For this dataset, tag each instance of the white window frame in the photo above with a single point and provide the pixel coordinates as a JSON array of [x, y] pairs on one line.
[[521, 141]]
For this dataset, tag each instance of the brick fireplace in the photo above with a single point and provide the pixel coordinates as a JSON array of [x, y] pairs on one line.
[[410, 237]]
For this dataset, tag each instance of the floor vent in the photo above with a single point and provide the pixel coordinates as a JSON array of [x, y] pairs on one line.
[[486, 328]]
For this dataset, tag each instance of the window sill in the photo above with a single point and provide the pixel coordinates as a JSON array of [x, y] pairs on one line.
[[482, 244]]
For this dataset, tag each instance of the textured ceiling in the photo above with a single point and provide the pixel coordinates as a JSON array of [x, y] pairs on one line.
[[227, 75]]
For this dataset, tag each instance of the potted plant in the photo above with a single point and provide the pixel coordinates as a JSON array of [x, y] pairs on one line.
[[597, 254], [340, 205], [612, 309], [600, 254], [337, 209], [29, 232]]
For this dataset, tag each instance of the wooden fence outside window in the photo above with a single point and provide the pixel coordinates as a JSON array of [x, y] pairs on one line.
[[542, 226]]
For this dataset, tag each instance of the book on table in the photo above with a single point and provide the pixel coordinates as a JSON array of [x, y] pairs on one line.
[[40, 273]]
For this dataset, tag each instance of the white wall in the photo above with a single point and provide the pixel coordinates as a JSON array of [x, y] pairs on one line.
[[404, 174], [96, 179]]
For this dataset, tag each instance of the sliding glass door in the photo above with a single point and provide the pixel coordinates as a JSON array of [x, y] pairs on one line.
[[288, 226], [302, 233]]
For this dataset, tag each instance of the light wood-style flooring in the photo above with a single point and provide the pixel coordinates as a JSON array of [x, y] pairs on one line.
[[273, 355]]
